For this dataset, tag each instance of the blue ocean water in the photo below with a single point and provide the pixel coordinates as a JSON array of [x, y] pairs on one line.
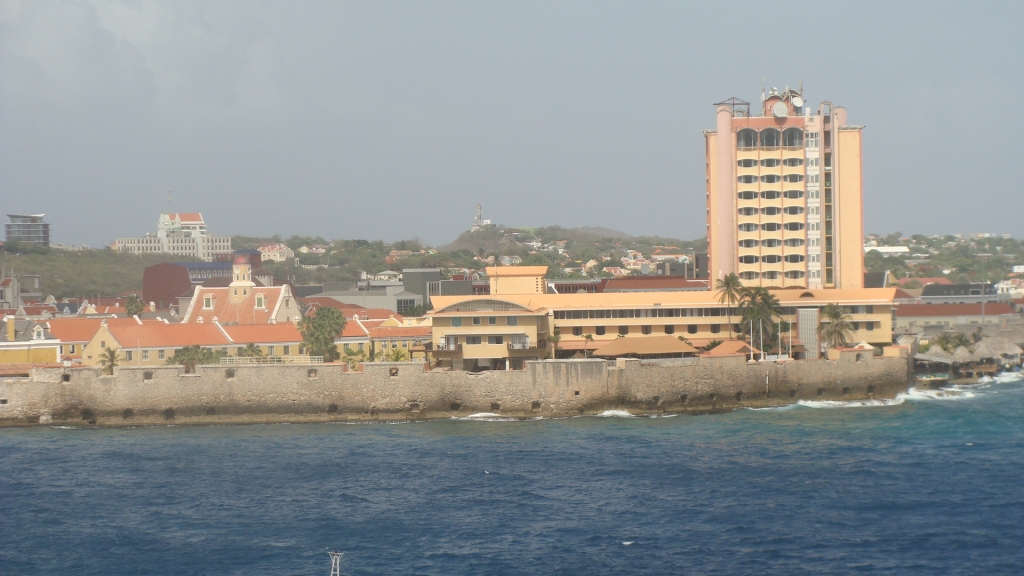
[[930, 484]]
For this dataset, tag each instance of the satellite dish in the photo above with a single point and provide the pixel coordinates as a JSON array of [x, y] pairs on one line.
[[780, 110], [798, 102]]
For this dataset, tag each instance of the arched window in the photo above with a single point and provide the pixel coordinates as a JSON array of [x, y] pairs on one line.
[[771, 243], [750, 211], [746, 139], [796, 275], [793, 210], [794, 258], [771, 211], [794, 226], [770, 178], [793, 177], [770, 275], [793, 194], [770, 162], [793, 138], [749, 275], [795, 242], [793, 162], [748, 195], [770, 138], [771, 227], [748, 227], [771, 194], [748, 259], [746, 179], [746, 163], [771, 259], [750, 243]]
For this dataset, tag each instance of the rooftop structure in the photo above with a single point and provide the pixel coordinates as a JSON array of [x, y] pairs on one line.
[[181, 233], [784, 193]]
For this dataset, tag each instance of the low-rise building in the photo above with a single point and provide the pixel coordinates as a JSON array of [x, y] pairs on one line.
[[27, 342], [917, 317], [242, 301], [276, 252]]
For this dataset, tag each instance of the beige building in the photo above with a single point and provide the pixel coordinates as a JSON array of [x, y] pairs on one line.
[[784, 194], [179, 233], [503, 329]]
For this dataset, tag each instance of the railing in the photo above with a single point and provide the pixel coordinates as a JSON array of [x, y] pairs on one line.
[[445, 347], [267, 360], [521, 345]]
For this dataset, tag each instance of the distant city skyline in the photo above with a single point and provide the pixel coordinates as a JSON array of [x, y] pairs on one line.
[[392, 121]]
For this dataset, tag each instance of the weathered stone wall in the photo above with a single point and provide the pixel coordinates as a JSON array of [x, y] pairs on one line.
[[392, 391]]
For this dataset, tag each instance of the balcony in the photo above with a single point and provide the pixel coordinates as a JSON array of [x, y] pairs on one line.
[[442, 347], [525, 344]]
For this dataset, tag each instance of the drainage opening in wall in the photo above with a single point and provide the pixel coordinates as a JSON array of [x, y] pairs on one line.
[[147, 375], [311, 373], [684, 398], [169, 414], [414, 406], [65, 377], [871, 389], [495, 407], [576, 393], [535, 406], [127, 414], [88, 415], [739, 396], [3, 400], [712, 396], [821, 391], [846, 391], [211, 411], [455, 406], [393, 371], [792, 393], [332, 409], [229, 373]]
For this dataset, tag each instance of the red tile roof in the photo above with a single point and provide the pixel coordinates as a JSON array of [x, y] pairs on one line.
[[160, 335], [244, 312], [189, 217], [264, 333], [915, 310], [385, 332], [924, 281], [82, 329]]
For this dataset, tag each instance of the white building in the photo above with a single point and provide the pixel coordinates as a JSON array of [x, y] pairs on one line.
[[276, 252], [179, 233]]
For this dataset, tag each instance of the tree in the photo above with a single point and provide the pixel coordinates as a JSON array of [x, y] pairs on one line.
[[109, 359], [134, 305], [758, 309], [711, 345], [192, 356], [554, 338], [836, 328], [397, 355], [319, 331], [587, 338], [730, 289], [251, 350]]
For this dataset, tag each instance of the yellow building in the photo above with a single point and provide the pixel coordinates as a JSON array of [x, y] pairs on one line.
[[502, 330], [27, 342], [784, 194]]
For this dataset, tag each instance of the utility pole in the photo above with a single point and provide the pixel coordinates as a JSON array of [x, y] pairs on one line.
[[336, 562]]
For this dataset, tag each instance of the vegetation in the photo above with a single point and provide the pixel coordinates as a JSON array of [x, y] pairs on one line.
[[397, 355], [250, 350], [109, 360], [730, 289], [192, 356], [134, 305], [950, 341], [759, 311], [836, 327], [319, 331], [80, 274], [553, 339]]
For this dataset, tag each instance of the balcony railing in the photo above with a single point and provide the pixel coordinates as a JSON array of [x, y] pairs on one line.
[[443, 346], [520, 345]]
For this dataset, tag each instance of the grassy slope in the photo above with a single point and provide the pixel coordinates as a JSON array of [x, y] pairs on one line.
[[86, 273]]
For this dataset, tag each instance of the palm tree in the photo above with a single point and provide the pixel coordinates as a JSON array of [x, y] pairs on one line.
[[836, 328], [758, 310], [554, 338], [586, 338], [397, 355], [108, 359], [729, 291], [134, 305], [944, 341], [251, 350]]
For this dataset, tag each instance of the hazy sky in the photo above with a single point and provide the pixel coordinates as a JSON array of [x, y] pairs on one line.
[[385, 120]]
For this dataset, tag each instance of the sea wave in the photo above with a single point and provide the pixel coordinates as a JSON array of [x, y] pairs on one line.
[[615, 414], [486, 417], [865, 403], [948, 393]]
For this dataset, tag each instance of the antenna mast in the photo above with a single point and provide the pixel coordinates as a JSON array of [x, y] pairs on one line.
[[336, 562]]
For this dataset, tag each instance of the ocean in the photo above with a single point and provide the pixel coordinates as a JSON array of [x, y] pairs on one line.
[[931, 483]]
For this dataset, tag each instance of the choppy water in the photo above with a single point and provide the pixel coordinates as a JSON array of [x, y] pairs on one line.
[[932, 483]]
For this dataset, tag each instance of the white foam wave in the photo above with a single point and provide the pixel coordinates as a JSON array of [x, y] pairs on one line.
[[774, 408], [1008, 377], [865, 403], [615, 414], [950, 393], [486, 417]]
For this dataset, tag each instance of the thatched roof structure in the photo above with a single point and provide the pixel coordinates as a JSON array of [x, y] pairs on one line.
[[963, 356]]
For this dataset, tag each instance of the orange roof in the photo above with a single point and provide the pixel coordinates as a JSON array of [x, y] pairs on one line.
[[190, 217], [375, 314], [160, 335], [731, 347], [354, 329], [263, 333], [911, 310], [244, 312], [82, 329], [401, 332]]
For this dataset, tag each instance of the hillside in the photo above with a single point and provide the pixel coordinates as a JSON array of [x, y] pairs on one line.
[[82, 274]]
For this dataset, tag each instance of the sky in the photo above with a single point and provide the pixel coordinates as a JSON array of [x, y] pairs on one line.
[[392, 120]]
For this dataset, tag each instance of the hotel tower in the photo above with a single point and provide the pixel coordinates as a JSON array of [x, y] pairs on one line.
[[784, 194]]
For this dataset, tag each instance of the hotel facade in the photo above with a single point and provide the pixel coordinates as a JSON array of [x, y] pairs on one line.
[[784, 194]]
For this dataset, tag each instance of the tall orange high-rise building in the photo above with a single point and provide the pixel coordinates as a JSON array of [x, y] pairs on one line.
[[784, 194]]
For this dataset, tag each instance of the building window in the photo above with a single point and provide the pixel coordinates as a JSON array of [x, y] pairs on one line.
[[771, 211], [770, 275], [793, 138], [495, 339], [716, 328], [813, 227], [645, 329], [360, 346], [771, 194], [793, 210], [793, 194], [794, 242], [456, 322], [599, 330], [813, 211], [771, 178], [746, 179], [770, 162], [259, 301], [670, 329], [270, 350], [793, 178], [794, 258], [513, 321], [793, 162], [747, 276], [749, 243], [161, 355], [814, 258], [748, 211], [691, 329], [748, 195], [287, 350], [746, 139], [771, 227], [813, 178], [577, 331], [145, 354], [748, 259], [747, 163], [473, 340], [623, 330], [770, 138], [812, 139], [476, 320], [72, 349], [794, 226], [128, 355], [492, 320], [208, 302], [748, 227], [813, 194], [771, 259]]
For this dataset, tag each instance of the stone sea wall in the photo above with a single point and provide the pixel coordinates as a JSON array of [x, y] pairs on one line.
[[397, 391]]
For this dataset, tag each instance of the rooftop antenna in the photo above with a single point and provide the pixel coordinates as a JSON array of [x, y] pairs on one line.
[[763, 97], [336, 562]]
